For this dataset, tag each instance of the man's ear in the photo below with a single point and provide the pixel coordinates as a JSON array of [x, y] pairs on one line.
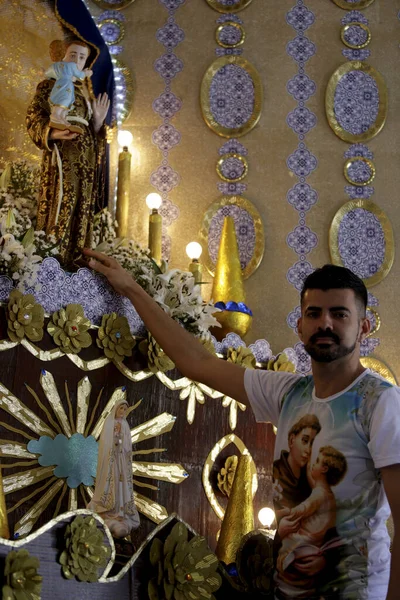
[[365, 328], [300, 328]]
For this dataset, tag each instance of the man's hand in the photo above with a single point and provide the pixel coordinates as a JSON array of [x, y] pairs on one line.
[[100, 106], [62, 134], [120, 279]]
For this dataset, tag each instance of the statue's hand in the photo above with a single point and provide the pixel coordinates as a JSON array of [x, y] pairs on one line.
[[65, 134], [100, 106]]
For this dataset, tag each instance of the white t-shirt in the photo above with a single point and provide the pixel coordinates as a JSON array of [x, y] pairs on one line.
[[339, 444]]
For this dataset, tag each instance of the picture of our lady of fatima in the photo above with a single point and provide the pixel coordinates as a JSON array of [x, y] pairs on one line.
[[320, 546]]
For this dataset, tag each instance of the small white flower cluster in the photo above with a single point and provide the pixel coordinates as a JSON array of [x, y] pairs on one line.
[[21, 248], [104, 229], [174, 290]]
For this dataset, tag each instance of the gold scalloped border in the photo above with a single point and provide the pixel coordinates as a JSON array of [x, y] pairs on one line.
[[205, 96], [248, 206], [387, 232], [377, 126]]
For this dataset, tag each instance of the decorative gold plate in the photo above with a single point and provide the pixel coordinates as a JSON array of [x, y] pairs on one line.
[[238, 157], [375, 128], [359, 159], [205, 96], [219, 6], [387, 231], [113, 5], [353, 5], [245, 204], [370, 362], [355, 46], [236, 26]]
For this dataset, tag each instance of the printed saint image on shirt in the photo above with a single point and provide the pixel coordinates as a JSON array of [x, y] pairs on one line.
[[307, 543]]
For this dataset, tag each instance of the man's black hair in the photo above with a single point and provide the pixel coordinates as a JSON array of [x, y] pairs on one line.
[[332, 277]]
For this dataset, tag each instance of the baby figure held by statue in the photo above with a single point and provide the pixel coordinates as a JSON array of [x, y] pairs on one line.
[[62, 96], [113, 496]]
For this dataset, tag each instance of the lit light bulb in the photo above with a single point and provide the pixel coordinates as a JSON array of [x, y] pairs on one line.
[[154, 201], [124, 138], [194, 250], [266, 517]]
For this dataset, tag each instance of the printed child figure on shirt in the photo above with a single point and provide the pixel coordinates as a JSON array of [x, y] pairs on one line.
[[316, 515], [62, 95]]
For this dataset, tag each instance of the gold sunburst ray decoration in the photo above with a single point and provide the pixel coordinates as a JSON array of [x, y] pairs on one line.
[[53, 487]]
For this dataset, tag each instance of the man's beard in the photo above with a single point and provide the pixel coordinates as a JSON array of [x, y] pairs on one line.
[[329, 352]]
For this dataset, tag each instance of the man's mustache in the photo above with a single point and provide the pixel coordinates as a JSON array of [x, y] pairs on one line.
[[324, 334]]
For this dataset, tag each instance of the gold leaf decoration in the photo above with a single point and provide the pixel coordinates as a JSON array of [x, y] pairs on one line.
[[182, 568], [241, 356], [23, 581], [156, 358], [69, 329], [227, 474], [25, 317], [85, 550], [115, 337]]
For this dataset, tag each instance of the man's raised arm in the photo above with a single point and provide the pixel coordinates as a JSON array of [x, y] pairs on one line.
[[188, 354]]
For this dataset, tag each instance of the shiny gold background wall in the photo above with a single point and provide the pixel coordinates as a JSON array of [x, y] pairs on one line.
[[269, 294]]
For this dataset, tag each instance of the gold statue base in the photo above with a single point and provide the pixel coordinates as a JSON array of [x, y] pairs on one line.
[[231, 322]]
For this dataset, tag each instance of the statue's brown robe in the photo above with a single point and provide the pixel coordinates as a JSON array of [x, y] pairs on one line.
[[81, 159]]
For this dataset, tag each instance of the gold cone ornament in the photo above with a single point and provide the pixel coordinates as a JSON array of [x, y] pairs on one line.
[[4, 531], [239, 514], [228, 284]]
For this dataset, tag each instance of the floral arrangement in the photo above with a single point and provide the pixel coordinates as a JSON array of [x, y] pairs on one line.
[[22, 249]]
